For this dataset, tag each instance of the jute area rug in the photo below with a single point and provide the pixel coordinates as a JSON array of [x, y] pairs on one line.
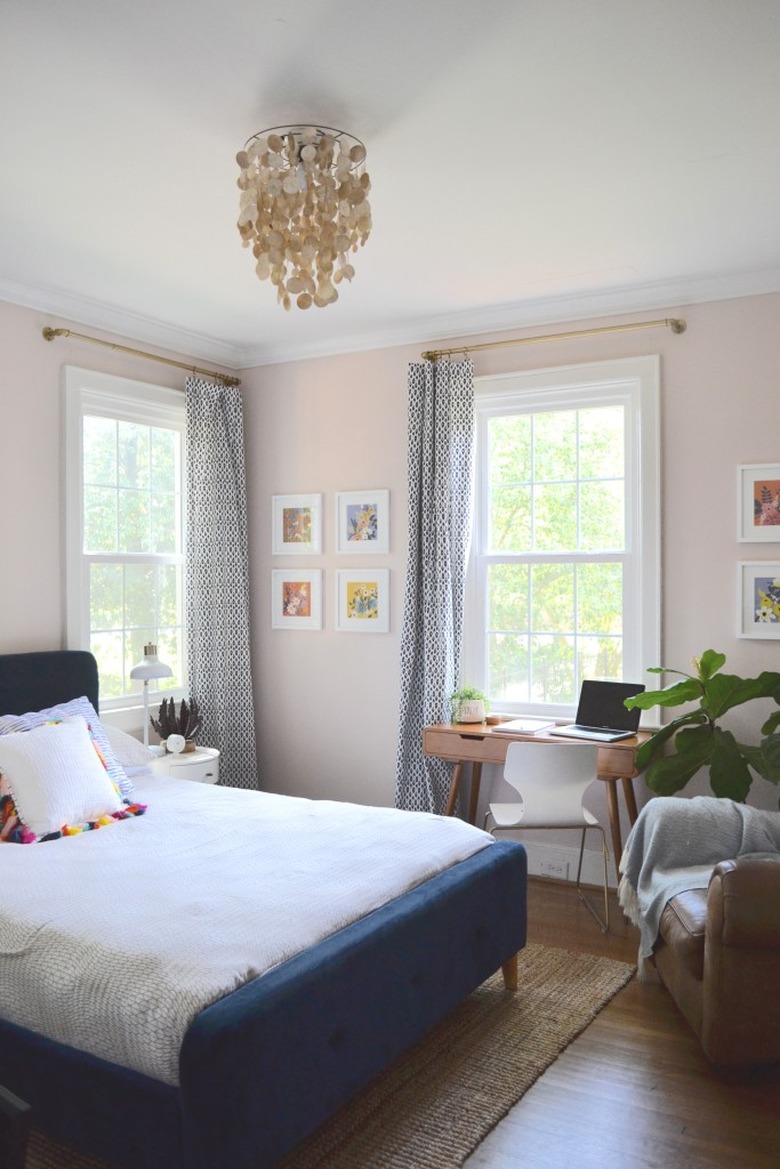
[[435, 1104]]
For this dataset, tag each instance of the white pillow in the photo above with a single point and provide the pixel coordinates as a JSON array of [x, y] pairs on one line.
[[130, 752], [56, 778]]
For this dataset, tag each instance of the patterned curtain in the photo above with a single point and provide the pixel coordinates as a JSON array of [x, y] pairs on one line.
[[217, 578], [441, 445]]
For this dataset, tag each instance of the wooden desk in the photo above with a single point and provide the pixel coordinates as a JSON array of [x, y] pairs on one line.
[[476, 743]]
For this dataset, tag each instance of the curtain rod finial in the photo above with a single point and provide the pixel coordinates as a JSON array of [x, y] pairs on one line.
[[677, 325]]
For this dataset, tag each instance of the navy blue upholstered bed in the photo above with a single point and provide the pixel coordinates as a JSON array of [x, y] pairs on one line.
[[265, 1066]]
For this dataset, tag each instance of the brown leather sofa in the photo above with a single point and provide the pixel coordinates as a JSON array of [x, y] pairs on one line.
[[718, 954]]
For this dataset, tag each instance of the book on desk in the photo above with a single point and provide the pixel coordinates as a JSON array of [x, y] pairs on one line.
[[523, 726]]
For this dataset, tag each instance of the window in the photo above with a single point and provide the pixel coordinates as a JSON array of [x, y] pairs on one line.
[[125, 528], [564, 571]]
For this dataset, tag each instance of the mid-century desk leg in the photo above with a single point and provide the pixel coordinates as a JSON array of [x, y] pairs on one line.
[[614, 819], [452, 797], [476, 779], [614, 811], [630, 796]]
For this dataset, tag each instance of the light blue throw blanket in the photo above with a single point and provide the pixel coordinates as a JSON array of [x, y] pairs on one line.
[[674, 846]]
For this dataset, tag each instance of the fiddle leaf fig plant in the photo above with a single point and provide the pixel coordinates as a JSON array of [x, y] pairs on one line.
[[698, 740]]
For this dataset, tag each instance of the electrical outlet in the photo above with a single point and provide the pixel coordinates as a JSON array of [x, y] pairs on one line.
[[557, 869]]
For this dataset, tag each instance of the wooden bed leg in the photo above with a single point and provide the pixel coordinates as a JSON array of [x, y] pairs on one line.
[[509, 971]]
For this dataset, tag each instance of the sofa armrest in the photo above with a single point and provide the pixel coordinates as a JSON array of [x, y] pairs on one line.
[[740, 1005], [743, 903]]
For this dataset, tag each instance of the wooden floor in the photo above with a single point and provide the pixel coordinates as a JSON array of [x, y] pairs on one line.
[[634, 1090]]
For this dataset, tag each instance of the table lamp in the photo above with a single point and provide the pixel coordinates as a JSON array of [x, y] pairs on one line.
[[150, 667]]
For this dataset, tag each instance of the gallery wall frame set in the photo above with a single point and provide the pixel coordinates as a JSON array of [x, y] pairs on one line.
[[362, 599], [362, 523]]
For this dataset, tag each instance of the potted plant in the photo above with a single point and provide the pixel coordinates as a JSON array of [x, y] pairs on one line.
[[186, 722], [699, 741], [468, 705]]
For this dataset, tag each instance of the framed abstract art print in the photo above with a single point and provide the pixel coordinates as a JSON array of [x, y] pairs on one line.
[[363, 521], [296, 598], [296, 524], [758, 588], [363, 600], [758, 489]]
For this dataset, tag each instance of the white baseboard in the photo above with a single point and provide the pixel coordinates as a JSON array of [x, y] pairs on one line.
[[560, 863]]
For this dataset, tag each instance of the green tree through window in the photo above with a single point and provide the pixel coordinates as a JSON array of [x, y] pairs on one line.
[[558, 541], [126, 535]]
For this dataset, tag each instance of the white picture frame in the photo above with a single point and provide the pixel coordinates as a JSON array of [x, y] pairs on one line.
[[758, 590], [296, 524], [363, 521], [363, 600], [758, 494], [296, 598]]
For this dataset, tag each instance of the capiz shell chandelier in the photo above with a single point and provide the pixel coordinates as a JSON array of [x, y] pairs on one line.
[[304, 207]]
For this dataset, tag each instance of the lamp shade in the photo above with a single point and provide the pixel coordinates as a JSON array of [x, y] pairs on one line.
[[151, 666]]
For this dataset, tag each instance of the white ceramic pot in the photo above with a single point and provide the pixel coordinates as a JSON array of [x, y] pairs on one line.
[[470, 710]]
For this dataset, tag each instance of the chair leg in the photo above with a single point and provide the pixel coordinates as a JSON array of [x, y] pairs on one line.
[[602, 921]]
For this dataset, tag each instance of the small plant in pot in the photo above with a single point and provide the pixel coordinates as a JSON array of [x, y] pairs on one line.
[[697, 739], [185, 722], [468, 705]]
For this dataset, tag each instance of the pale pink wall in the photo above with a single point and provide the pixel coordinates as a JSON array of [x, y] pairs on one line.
[[31, 471], [327, 702]]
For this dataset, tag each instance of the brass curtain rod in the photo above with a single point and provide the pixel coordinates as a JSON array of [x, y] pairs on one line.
[[49, 334], [674, 323]]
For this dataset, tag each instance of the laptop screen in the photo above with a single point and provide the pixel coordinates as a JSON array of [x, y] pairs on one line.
[[601, 705]]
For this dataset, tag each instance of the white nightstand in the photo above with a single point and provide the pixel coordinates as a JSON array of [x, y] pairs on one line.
[[202, 765]]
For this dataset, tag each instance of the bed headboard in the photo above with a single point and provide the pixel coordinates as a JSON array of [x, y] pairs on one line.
[[34, 681]]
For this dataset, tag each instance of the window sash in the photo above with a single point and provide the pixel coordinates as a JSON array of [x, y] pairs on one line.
[[89, 393], [633, 384]]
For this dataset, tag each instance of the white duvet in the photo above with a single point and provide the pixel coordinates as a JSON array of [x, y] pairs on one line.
[[112, 941]]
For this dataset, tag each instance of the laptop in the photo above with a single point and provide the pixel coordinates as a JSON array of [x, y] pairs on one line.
[[601, 715]]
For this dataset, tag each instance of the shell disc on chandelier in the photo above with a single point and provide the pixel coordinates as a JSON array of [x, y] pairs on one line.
[[304, 207]]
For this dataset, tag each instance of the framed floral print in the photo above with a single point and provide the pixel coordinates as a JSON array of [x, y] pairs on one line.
[[758, 487], [363, 600], [363, 521], [296, 524], [296, 598], [758, 588]]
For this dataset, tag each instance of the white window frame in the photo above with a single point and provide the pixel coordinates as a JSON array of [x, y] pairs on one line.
[[87, 391], [635, 384]]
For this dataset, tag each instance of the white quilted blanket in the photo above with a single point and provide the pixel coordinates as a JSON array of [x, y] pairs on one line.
[[112, 941]]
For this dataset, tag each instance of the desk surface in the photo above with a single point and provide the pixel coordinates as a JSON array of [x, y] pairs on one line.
[[479, 743]]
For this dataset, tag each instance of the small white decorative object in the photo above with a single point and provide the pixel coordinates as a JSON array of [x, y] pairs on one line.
[[175, 744]]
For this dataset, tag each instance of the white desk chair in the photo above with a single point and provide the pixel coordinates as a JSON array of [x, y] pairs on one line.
[[551, 779]]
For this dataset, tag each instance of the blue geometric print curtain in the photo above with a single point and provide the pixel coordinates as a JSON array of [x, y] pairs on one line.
[[217, 579], [440, 462]]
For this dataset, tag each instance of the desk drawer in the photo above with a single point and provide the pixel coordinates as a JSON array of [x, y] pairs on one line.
[[616, 761], [452, 745]]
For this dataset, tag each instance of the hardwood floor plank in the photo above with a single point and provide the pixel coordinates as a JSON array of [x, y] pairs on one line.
[[634, 1091]]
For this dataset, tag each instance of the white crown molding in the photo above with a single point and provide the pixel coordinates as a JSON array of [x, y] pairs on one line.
[[131, 326], [544, 311], [531, 313]]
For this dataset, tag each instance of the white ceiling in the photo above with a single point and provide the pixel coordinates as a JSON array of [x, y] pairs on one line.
[[531, 160]]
